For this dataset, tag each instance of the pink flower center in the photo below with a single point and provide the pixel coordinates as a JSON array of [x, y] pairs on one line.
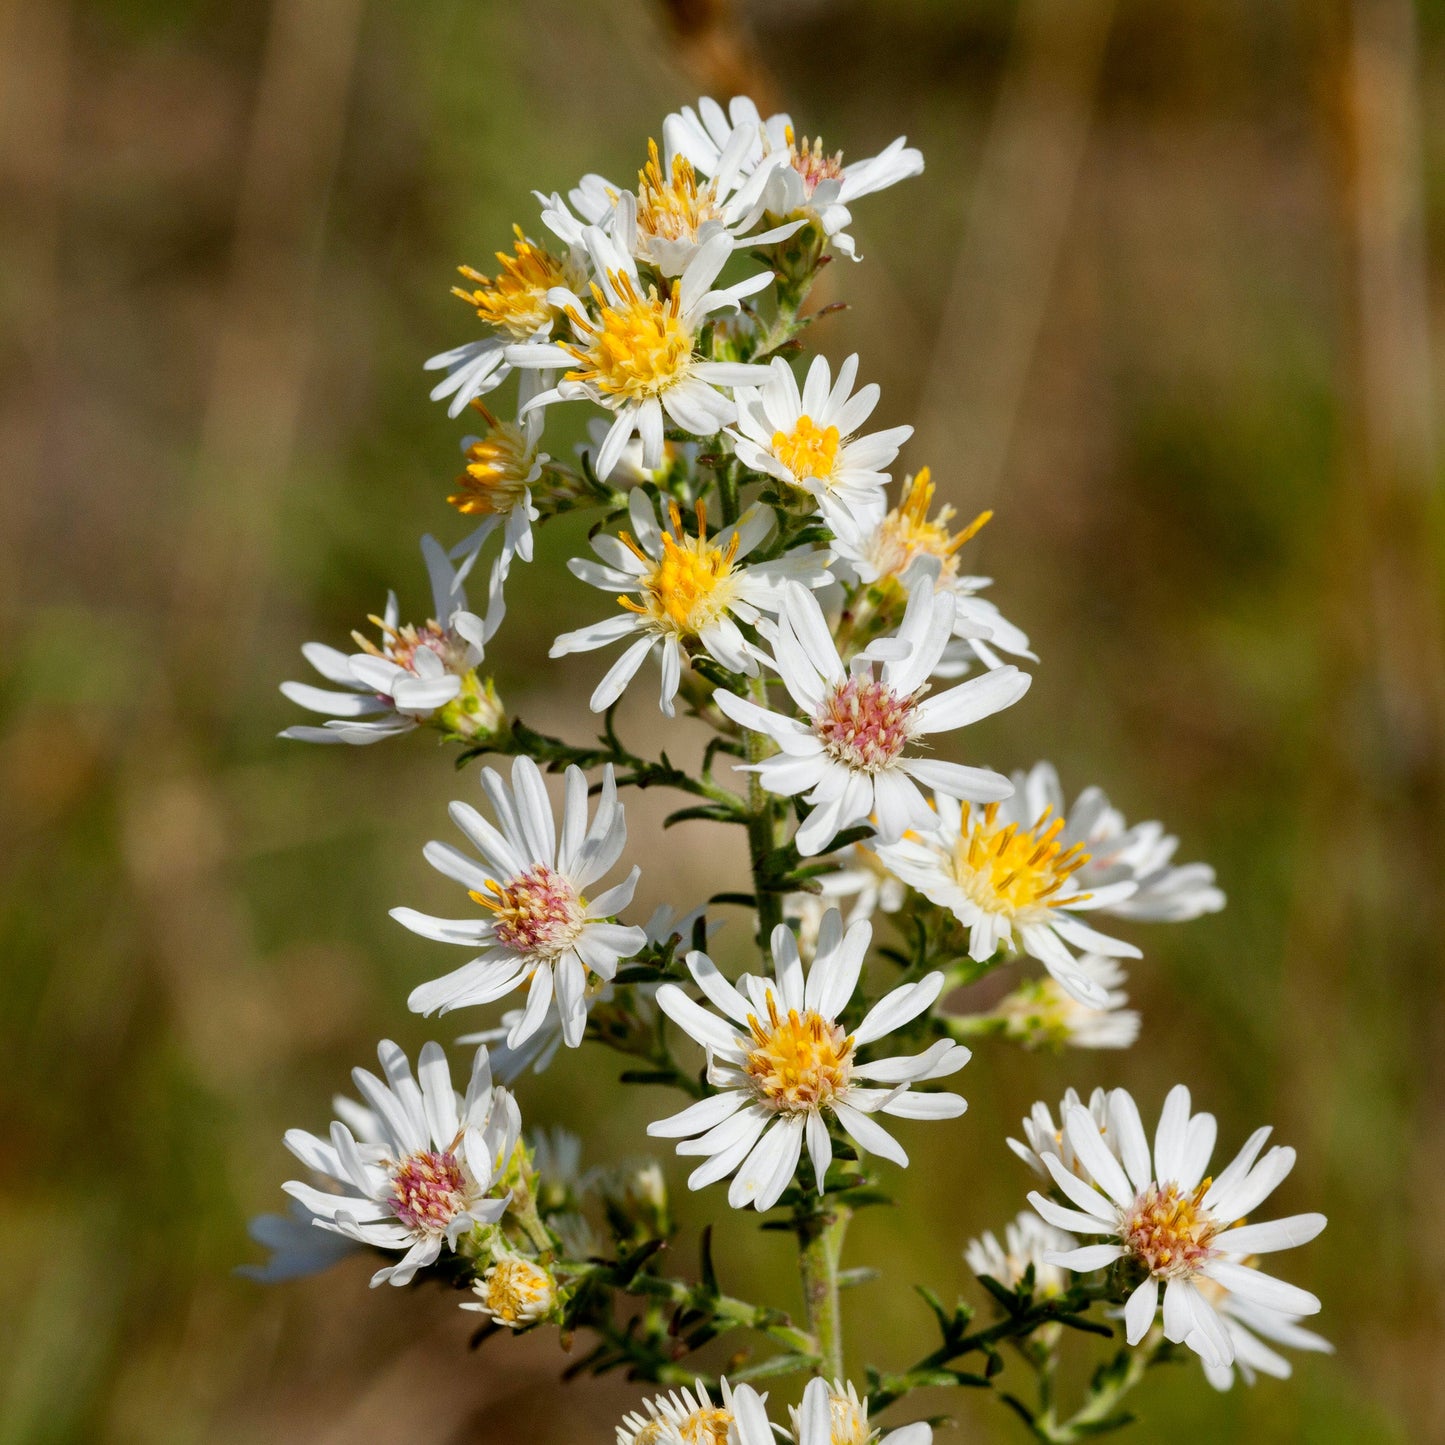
[[812, 164], [864, 724], [428, 1191], [1169, 1233], [536, 912]]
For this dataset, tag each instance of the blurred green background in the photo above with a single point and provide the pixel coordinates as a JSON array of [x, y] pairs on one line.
[[1166, 297]]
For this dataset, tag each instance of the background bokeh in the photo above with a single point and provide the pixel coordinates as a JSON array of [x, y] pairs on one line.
[[1167, 297]]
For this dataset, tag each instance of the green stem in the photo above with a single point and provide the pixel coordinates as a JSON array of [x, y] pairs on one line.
[[1102, 1404], [762, 829], [821, 1239]]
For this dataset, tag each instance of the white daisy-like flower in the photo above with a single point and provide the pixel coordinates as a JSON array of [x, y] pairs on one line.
[[1006, 874], [540, 926], [426, 1168], [885, 552], [500, 470], [807, 440], [635, 352], [515, 1291], [517, 305], [1161, 1213], [1162, 892], [297, 1247], [849, 753], [780, 1059], [684, 1417], [672, 212], [832, 1414], [414, 675], [802, 180], [1026, 1239], [1043, 1136], [1040, 1014], [678, 591], [1250, 1326]]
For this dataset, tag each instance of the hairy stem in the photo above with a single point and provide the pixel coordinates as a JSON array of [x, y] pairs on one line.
[[820, 1239]]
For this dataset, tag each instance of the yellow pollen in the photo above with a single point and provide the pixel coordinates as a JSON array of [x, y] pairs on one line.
[[708, 1426], [499, 466], [1011, 870], [908, 531], [1170, 1232], [800, 1062], [691, 585], [670, 204], [515, 300], [808, 450], [635, 349]]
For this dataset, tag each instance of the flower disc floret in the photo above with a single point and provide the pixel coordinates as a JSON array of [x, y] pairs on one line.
[[1169, 1231], [864, 724], [1012, 870], [635, 347], [429, 1190], [809, 451], [515, 1292], [800, 1062], [538, 911], [515, 300]]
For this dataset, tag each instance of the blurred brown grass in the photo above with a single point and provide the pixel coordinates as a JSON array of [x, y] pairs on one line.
[[1167, 298]]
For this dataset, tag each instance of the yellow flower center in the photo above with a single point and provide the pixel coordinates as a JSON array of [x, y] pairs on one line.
[[670, 204], [908, 531], [1169, 1233], [498, 472], [1012, 870], [708, 1426], [808, 450], [637, 348], [515, 300], [517, 1291], [798, 1063], [690, 587]]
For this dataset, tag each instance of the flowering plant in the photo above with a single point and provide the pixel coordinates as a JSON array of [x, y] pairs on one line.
[[827, 638]]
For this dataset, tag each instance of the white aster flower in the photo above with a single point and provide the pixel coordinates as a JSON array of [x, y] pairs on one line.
[[884, 553], [298, 1248], [540, 926], [500, 471], [684, 1417], [634, 351], [1163, 1215], [1026, 1240], [1162, 892], [672, 212], [780, 1058], [517, 305], [1250, 1326], [1043, 1136], [678, 591], [414, 674], [832, 1414], [426, 1167], [806, 439], [1005, 872], [801, 179], [515, 1291], [1040, 1014], [848, 753]]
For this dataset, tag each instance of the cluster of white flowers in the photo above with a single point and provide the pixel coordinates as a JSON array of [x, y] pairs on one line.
[[808, 618]]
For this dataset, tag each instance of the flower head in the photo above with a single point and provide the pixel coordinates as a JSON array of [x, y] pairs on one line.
[[1161, 1214], [516, 304], [780, 1059], [538, 924], [803, 179], [808, 441], [413, 674], [881, 555], [634, 349], [1026, 1240], [852, 753], [1043, 1136], [1040, 1014], [681, 1417], [515, 1291], [679, 591], [418, 1167], [1007, 874]]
